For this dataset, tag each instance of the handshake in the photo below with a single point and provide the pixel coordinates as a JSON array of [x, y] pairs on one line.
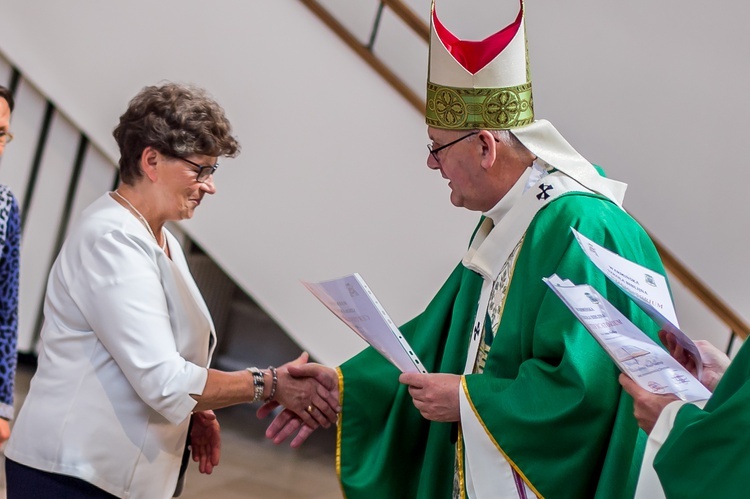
[[309, 395]]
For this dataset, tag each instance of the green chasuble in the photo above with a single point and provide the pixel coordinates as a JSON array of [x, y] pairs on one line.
[[548, 394], [707, 452]]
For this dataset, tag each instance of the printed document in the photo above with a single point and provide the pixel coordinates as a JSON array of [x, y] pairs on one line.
[[351, 300], [637, 355], [644, 286]]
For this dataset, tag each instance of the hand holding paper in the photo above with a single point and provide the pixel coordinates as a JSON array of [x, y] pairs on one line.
[[647, 288], [634, 353], [715, 362]]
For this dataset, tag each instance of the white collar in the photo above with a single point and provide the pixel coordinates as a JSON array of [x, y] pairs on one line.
[[552, 150], [528, 178]]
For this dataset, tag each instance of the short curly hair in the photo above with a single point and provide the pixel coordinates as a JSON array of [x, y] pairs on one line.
[[175, 119], [6, 94]]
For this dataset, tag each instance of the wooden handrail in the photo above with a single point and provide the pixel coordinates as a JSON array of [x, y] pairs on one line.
[[701, 291], [409, 17], [736, 325], [363, 52]]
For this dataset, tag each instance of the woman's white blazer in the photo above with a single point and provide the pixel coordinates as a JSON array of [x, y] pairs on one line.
[[126, 339]]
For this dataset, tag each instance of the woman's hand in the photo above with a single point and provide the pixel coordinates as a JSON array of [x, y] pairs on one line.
[[324, 403], [310, 391], [205, 441]]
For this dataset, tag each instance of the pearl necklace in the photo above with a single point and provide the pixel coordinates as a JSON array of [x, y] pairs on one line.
[[143, 221]]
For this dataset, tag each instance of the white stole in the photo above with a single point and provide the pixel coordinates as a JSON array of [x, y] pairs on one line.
[[649, 486], [488, 473]]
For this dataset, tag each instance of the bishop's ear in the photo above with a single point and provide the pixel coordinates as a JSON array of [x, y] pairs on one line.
[[488, 143]]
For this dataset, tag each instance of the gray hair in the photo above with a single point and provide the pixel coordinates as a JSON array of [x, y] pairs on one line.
[[505, 136], [177, 120]]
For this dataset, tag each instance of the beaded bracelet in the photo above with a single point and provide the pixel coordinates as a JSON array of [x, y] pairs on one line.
[[258, 383], [274, 382]]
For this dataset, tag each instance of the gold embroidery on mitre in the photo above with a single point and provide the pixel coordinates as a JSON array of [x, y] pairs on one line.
[[479, 108], [447, 104]]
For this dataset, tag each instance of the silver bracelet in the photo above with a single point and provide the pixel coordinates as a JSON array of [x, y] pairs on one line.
[[258, 383], [274, 382]]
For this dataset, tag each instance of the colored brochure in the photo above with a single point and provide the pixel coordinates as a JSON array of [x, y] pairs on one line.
[[351, 300], [637, 355], [644, 286]]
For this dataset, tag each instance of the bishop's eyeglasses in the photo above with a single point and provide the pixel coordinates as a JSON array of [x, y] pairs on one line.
[[436, 150]]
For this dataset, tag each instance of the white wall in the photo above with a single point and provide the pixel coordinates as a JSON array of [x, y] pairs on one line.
[[332, 178]]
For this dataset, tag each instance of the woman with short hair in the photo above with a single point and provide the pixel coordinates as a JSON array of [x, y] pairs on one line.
[[123, 375]]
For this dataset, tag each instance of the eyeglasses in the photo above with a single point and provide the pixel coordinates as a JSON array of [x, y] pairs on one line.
[[5, 137], [435, 151], [203, 171]]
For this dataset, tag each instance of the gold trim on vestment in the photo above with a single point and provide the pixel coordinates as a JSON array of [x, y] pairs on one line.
[[507, 458], [338, 429], [459, 472]]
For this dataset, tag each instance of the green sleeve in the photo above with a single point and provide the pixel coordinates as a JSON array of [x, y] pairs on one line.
[[385, 447], [707, 450]]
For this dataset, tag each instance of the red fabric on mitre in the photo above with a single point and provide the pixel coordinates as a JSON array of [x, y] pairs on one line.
[[474, 55]]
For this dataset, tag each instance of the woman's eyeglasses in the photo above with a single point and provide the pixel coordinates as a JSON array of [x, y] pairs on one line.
[[203, 171]]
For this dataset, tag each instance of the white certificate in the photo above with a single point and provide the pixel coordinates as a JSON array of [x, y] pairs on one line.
[[351, 300], [644, 286], [637, 355]]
